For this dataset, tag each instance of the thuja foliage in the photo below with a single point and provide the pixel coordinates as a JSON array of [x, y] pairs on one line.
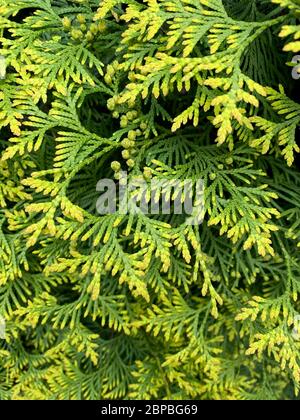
[[143, 306]]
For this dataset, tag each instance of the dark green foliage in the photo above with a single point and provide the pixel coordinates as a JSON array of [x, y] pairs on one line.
[[141, 306]]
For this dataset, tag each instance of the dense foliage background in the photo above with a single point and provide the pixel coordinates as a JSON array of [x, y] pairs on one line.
[[140, 306]]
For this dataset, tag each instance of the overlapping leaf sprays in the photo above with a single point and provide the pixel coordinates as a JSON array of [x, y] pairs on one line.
[[141, 306]]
